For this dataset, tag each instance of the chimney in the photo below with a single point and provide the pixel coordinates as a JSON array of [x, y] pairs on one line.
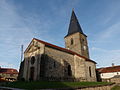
[[113, 64]]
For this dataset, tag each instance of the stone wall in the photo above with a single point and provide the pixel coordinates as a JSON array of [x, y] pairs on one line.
[[57, 63], [90, 74], [35, 49], [97, 87], [115, 80], [79, 45], [76, 46], [79, 67]]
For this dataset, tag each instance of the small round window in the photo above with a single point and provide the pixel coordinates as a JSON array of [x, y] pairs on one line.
[[32, 60]]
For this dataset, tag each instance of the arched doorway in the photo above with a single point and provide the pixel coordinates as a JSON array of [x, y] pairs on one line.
[[31, 74]]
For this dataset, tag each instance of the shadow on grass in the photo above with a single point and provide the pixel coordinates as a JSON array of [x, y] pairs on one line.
[[36, 85]]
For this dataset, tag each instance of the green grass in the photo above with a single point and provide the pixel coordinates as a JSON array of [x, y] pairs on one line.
[[116, 88], [41, 85]]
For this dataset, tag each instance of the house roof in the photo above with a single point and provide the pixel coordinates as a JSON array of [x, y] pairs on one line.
[[62, 49], [8, 71], [74, 25], [109, 69]]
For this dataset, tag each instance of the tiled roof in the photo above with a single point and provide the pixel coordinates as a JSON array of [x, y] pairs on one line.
[[8, 71], [109, 69], [63, 49]]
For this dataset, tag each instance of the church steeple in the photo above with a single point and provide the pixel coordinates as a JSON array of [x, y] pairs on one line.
[[74, 25], [76, 40]]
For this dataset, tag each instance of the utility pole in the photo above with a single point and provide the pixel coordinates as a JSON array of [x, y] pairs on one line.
[[21, 65], [21, 52]]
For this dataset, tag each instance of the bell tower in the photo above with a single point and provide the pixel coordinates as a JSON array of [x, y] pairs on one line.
[[76, 40]]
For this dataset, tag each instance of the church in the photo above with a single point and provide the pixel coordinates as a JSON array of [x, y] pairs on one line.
[[48, 62]]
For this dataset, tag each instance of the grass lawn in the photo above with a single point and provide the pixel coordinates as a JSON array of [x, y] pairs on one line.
[[116, 88], [41, 85]]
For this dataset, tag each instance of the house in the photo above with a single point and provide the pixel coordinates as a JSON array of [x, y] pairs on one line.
[[109, 73], [8, 74]]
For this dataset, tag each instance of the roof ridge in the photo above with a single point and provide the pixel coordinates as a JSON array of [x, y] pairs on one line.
[[109, 69], [112, 66]]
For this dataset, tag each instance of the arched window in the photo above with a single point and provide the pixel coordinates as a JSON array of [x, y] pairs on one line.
[[90, 71], [71, 41], [82, 40], [54, 64], [69, 71], [32, 60], [31, 74], [42, 66]]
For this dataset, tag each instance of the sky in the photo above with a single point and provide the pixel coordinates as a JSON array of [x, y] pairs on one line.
[[48, 20]]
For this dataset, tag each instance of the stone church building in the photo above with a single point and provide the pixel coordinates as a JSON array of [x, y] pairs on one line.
[[45, 61]]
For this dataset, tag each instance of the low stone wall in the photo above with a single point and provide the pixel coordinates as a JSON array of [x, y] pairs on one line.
[[115, 80], [98, 87]]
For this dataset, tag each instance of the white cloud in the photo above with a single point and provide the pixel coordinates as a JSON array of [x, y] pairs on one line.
[[5, 64], [105, 48], [16, 30], [110, 12], [13, 33], [105, 57], [111, 31]]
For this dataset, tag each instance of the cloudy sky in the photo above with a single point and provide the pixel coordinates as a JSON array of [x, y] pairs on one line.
[[48, 20]]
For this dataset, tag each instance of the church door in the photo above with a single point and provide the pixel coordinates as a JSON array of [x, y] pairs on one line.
[[31, 73]]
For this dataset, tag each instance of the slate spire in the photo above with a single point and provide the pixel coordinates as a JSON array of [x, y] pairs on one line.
[[74, 25]]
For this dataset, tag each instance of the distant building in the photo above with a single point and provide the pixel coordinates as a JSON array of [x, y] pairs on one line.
[[45, 61], [109, 73], [8, 74]]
